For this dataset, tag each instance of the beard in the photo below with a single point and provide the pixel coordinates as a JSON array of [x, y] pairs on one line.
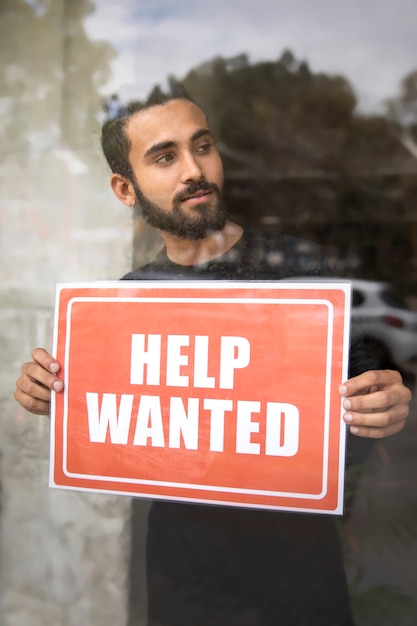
[[205, 217]]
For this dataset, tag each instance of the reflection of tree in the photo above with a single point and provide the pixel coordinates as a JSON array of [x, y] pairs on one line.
[[299, 158], [403, 111], [50, 75], [279, 113]]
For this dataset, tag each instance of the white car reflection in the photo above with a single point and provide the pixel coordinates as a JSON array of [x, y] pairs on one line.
[[382, 319], [385, 322]]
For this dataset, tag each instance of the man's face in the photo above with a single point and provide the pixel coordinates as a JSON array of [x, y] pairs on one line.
[[178, 171]]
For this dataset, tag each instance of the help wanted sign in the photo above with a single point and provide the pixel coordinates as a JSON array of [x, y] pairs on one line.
[[222, 393]]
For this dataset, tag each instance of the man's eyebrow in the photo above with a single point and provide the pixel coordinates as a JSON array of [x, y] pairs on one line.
[[200, 133], [164, 145]]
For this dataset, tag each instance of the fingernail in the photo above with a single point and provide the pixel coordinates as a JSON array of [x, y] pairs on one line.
[[354, 430], [58, 385], [347, 417], [343, 390], [54, 367], [347, 404]]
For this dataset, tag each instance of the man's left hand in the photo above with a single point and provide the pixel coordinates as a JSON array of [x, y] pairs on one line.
[[376, 403]]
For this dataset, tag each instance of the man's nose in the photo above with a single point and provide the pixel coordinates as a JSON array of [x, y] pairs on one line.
[[191, 169]]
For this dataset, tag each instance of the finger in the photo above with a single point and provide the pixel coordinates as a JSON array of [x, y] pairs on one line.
[[31, 387], [36, 373], [41, 356], [369, 380], [378, 419], [378, 400], [31, 404], [376, 433]]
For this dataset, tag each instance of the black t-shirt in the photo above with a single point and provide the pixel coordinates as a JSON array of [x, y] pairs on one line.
[[257, 255], [213, 565]]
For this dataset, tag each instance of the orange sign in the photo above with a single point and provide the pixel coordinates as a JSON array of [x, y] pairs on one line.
[[216, 392]]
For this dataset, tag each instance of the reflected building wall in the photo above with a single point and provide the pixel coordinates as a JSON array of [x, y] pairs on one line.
[[63, 553]]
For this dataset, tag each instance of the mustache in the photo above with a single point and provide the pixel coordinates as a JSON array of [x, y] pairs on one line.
[[193, 187]]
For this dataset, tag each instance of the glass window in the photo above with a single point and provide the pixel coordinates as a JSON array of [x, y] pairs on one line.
[[295, 160]]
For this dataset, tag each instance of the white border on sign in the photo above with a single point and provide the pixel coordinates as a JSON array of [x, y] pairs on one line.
[[316, 284], [197, 301]]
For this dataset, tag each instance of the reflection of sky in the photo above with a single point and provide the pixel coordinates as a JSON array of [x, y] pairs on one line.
[[371, 42]]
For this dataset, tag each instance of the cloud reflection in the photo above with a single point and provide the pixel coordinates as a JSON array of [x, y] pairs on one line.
[[373, 44]]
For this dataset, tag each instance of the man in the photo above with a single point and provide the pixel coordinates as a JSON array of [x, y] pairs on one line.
[[209, 565]]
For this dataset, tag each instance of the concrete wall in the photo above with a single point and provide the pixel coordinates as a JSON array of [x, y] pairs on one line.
[[64, 554]]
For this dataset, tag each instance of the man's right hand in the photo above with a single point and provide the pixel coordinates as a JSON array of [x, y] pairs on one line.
[[38, 378]]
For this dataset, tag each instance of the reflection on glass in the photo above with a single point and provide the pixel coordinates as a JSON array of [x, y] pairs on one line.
[[306, 163]]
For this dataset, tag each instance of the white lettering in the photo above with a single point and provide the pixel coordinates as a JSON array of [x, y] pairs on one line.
[[275, 413], [282, 423], [218, 409], [175, 360], [149, 422], [201, 378], [234, 353], [118, 422], [151, 357], [183, 423], [245, 427]]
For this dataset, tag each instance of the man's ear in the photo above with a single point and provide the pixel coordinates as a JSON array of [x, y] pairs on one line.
[[123, 189]]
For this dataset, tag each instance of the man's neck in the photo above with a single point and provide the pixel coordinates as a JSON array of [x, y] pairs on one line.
[[197, 251]]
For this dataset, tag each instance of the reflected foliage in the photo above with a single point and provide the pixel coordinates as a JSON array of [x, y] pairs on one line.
[[300, 158], [402, 110], [49, 78]]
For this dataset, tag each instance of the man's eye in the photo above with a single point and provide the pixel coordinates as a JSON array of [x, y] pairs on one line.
[[164, 159], [205, 147]]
